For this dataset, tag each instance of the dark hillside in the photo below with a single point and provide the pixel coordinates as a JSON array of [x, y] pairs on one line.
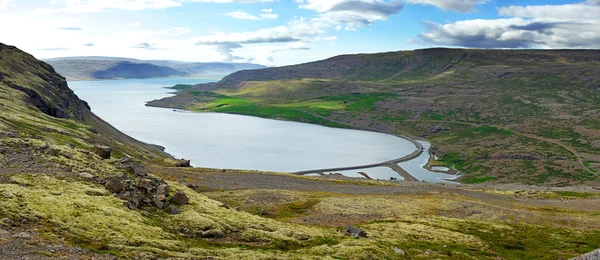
[[529, 116], [129, 70], [408, 64]]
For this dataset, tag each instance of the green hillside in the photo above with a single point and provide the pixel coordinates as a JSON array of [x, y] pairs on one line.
[[528, 116]]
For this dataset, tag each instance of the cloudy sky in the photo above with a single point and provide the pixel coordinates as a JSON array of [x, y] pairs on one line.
[[281, 32]]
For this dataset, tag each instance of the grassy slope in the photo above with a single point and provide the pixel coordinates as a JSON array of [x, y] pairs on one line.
[[37, 191], [503, 116]]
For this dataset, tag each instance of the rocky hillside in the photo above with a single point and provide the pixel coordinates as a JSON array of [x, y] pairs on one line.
[[86, 68], [73, 187], [528, 116]]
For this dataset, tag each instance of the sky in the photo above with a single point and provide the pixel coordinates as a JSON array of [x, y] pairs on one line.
[[285, 32]]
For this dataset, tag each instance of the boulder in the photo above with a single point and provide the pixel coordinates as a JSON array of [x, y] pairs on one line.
[[180, 198], [183, 163], [114, 184], [173, 210], [162, 189], [137, 169], [102, 151], [356, 232]]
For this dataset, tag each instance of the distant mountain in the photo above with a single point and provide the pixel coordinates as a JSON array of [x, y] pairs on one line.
[[137, 70], [95, 67]]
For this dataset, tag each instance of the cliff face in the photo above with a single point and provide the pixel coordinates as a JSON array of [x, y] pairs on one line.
[[44, 88], [37, 101]]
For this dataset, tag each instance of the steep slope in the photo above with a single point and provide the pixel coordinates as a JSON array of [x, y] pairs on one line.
[[57, 197], [528, 116]]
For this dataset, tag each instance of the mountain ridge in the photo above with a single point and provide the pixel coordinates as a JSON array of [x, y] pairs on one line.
[[89, 67], [542, 104]]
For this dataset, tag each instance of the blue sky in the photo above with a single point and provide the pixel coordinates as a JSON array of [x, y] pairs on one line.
[[286, 32]]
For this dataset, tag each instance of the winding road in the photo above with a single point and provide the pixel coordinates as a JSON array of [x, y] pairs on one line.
[[389, 163]]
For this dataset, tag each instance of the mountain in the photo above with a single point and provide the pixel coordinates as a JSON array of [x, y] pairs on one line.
[[73, 187], [499, 116], [92, 67]]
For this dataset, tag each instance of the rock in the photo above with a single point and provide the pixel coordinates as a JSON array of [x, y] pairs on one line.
[[225, 205], [144, 183], [69, 169], [163, 189], [180, 198], [158, 203], [102, 151], [173, 210], [399, 251], [22, 235], [594, 255], [86, 175], [3, 232], [356, 232], [114, 184], [161, 197], [137, 169], [183, 163]]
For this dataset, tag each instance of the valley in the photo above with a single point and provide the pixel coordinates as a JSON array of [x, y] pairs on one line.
[[498, 116]]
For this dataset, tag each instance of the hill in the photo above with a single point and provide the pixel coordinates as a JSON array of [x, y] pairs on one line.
[[499, 116], [65, 196], [93, 67]]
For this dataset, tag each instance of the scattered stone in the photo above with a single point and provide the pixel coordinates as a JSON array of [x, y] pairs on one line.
[[144, 183], [163, 189], [158, 203], [3, 233], [115, 183], [173, 210], [356, 232], [594, 255], [225, 205], [139, 190], [183, 163], [399, 251], [86, 175], [180, 198], [69, 169], [102, 151], [22, 235], [137, 169]]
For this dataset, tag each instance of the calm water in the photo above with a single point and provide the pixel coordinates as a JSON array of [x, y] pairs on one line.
[[232, 141]]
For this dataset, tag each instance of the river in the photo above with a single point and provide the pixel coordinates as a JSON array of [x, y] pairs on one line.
[[215, 140]]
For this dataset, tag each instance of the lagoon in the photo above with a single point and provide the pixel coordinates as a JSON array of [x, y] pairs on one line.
[[215, 140]]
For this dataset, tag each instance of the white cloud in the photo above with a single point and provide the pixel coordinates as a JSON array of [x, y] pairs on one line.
[[451, 5], [4, 4], [267, 14], [544, 26], [346, 15], [91, 6]]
